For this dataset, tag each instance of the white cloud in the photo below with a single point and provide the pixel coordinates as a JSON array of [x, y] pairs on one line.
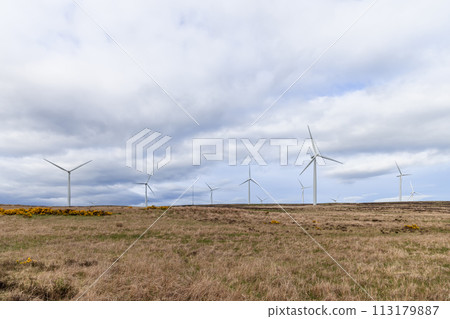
[[69, 93]]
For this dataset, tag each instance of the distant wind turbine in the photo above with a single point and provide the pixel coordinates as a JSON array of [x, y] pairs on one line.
[[303, 190], [413, 192], [68, 180], [146, 186], [211, 189], [261, 199], [335, 200], [314, 160], [400, 176], [249, 180]]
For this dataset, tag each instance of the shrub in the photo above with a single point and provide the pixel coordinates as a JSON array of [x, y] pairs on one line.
[[39, 211]]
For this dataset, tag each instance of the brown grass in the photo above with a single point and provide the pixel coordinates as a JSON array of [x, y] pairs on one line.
[[231, 253]]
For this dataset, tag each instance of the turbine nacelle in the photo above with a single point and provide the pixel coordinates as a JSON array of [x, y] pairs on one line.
[[302, 186]]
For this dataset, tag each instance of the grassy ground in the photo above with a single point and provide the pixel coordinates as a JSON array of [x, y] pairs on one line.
[[231, 253]]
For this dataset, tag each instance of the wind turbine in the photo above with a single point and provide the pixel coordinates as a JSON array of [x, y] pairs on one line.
[[400, 176], [261, 199], [68, 173], [146, 186], [335, 200], [413, 192], [249, 180], [211, 189], [303, 190], [314, 160]]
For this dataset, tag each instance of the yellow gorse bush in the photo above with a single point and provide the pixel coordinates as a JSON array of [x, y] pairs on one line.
[[274, 222], [315, 225], [157, 207], [412, 227], [29, 260], [33, 211]]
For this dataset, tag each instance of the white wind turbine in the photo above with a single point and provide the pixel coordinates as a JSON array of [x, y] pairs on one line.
[[211, 189], [146, 186], [335, 200], [303, 190], [400, 176], [413, 192], [249, 180], [68, 179], [314, 160], [261, 199]]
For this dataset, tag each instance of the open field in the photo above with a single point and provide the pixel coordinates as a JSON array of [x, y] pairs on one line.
[[231, 253]]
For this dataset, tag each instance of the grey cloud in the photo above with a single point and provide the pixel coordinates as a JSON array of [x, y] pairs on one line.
[[67, 92]]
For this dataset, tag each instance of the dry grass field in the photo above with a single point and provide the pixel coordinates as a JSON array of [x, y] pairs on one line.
[[231, 253]]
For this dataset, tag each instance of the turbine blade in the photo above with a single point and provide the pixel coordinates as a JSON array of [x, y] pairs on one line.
[[252, 180], [80, 166], [398, 168], [148, 179], [208, 186], [312, 141], [313, 159], [151, 189], [330, 159], [244, 182], [56, 165]]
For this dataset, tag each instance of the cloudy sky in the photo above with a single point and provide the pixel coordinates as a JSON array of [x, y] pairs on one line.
[[78, 79]]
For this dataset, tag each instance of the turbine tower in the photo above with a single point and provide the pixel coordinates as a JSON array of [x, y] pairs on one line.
[[303, 190], [146, 186], [249, 180], [400, 176], [211, 189], [68, 180], [314, 161]]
